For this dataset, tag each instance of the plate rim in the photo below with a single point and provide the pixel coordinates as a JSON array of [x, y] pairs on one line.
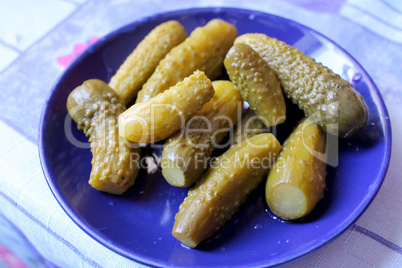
[[214, 10]]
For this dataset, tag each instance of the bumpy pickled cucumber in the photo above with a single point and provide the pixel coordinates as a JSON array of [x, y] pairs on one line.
[[319, 92], [158, 118], [204, 50], [297, 180], [185, 155], [257, 83], [95, 107], [250, 125], [223, 188], [141, 63]]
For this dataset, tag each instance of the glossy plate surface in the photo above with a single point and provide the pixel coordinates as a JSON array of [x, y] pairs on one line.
[[138, 224]]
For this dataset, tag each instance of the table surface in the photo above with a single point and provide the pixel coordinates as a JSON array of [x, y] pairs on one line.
[[39, 39]]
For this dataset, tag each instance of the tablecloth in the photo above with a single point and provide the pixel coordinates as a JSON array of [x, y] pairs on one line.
[[39, 39]]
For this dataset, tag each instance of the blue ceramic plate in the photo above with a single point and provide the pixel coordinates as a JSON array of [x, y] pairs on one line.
[[138, 224]]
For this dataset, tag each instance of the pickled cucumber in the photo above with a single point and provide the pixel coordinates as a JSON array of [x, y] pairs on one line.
[[250, 125], [158, 118], [141, 63], [296, 182], [320, 93], [256, 83], [185, 155], [95, 107], [223, 188], [204, 50]]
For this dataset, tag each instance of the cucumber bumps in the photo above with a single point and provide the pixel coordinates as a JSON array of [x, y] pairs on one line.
[[161, 116], [95, 106], [185, 154], [223, 188], [319, 92], [256, 83], [141, 63], [203, 50], [296, 182]]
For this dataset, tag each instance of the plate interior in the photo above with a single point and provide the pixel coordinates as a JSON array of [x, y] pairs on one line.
[[138, 224]]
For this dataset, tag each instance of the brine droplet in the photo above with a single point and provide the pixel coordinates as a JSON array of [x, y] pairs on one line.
[[357, 77], [110, 70]]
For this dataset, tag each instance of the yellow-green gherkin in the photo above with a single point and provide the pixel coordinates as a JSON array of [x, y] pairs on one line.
[[185, 154], [204, 50], [223, 188], [161, 116], [141, 63], [256, 83], [319, 92], [297, 180], [95, 107]]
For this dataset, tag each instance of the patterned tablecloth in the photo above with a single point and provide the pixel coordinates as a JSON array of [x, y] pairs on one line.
[[39, 39]]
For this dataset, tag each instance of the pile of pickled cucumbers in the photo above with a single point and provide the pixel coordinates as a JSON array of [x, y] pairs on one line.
[[170, 89]]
